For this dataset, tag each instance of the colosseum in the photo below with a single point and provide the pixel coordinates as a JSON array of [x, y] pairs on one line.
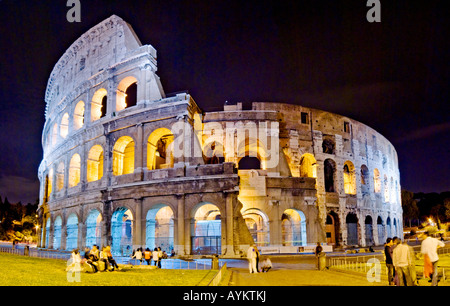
[[126, 165]]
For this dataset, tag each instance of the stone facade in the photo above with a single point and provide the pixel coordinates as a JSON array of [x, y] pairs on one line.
[[125, 164]]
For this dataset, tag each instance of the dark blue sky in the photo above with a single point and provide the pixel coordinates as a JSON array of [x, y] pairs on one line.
[[392, 76]]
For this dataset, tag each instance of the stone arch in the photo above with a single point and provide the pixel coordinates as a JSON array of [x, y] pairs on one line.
[[160, 149], [329, 168], [64, 126], [376, 181], [123, 156], [293, 228], [251, 152], [213, 153], [159, 228], [332, 228], [78, 116], [54, 138], [47, 232], [386, 189], [349, 178], [93, 228], [122, 232], [57, 230], [126, 95], [388, 228], [60, 176], [308, 165], [95, 163], [352, 229], [364, 179], [99, 104], [368, 229], [328, 145], [72, 232], [206, 229], [381, 233], [258, 224], [74, 170]]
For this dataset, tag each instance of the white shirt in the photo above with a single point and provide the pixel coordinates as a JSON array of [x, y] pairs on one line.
[[429, 247]]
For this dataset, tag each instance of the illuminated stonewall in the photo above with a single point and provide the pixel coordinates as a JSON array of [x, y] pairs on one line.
[[128, 166]]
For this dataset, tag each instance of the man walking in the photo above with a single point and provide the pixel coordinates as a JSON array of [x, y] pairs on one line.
[[402, 260], [389, 265], [429, 247]]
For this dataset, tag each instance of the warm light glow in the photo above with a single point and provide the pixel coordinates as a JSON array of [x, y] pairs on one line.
[[74, 170], [64, 127], [121, 92], [349, 178], [95, 164], [96, 104], [78, 116], [160, 149], [123, 156], [376, 180]]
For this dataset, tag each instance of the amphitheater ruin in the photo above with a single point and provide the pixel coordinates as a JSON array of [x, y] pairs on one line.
[[128, 166]]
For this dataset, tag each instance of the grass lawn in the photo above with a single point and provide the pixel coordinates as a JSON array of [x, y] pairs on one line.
[[28, 271]]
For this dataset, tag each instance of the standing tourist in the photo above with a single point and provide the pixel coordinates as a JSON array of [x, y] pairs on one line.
[[429, 248], [389, 264], [403, 260], [251, 256]]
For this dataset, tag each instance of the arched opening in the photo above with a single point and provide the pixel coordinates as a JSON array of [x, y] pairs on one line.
[[54, 134], [368, 228], [329, 168], [72, 232], [388, 228], [126, 93], [93, 228], [328, 146], [364, 179], [49, 187], [331, 228], [352, 229], [159, 229], [380, 228], [293, 228], [60, 176], [160, 149], [395, 228], [206, 230], [386, 189], [258, 224], [95, 163], [64, 127], [78, 116], [376, 181], [99, 104], [47, 232], [349, 178], [248, 163], [74, 170], [122, 232], [123, 156], [308, 165], [57, 227]]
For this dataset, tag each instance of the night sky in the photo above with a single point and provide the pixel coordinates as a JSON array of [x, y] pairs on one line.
[[392, 75]]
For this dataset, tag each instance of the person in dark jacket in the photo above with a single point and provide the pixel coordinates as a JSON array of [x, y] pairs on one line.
[[389, 264]]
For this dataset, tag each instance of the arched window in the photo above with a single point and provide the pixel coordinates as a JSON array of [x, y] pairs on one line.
[[57, 225], [74, 170], [258, 224], [95, 163], [49, 183], [54, 134], [206, 230], [64, 127], [123, 156], [293, 228], [93, 228], [308, 166], [122, 232], [78, 116], [160, 228], [376, 180], [99, 104], [160, 149], [60, 176], [364, 179], [352, 229], [329, 173], [126, 93], [72, 232], [369, 231], [349, 178], [248, 163], [386, 188], [328, 146]]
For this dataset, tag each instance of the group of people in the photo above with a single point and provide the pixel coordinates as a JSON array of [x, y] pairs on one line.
[[140, 255], [400, 260], [94, 258], [254, 259]]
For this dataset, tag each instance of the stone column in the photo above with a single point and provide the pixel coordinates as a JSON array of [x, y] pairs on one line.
[[137, 237], [180, 249], [139, 153], [229, 245]]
